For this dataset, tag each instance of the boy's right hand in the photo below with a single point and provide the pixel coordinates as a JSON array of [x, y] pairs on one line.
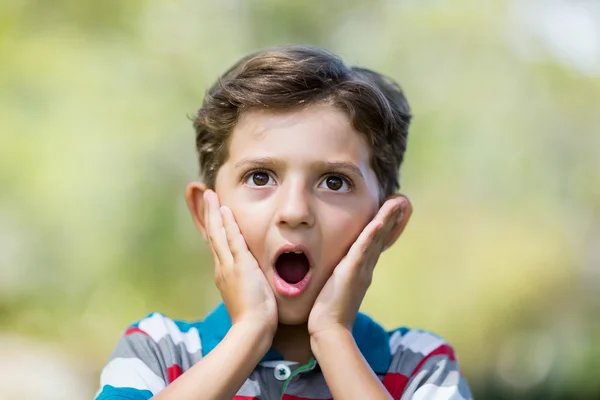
[[243, 286]]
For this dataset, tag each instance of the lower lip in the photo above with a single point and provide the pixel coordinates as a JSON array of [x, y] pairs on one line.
[[291, 289]]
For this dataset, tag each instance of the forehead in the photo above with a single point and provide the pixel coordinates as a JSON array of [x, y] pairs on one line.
[[314, 133]]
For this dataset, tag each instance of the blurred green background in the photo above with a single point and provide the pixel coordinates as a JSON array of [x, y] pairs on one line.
[[502, 256]]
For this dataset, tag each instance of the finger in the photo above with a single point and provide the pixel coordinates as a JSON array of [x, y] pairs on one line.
[[216, 231], [207, 231], [389, 210], [386, 216], [371, 244], [371, 238], [235, 239], [214, 254], [361, 246], [391, 216]]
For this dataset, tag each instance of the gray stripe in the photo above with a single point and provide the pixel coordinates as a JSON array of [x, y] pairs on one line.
[[251, 387], [310, 384], [270, 386], [404, 361], [157, 356], [138, 345], [438, 370]]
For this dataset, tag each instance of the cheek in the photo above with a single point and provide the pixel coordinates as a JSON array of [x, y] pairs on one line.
[[341, 232], [253, 228]]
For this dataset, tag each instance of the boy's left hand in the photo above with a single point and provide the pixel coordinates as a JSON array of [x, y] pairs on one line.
[[339, 301]]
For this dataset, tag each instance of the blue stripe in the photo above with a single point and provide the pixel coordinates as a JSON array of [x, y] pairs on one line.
[[183, 326], [403, 331], [112, 393], [186, 326]]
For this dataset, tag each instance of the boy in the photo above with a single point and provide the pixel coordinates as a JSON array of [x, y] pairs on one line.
[[299, 157]]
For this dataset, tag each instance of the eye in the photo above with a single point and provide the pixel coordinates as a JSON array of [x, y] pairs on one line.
[[258, 178], [336, 183]]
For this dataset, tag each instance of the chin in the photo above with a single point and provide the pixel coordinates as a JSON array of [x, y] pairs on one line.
[[292, 315]]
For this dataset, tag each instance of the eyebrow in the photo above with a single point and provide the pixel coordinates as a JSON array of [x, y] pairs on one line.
[[278, 163]]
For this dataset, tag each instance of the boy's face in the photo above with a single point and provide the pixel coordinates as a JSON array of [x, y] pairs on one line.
[[301, 179]]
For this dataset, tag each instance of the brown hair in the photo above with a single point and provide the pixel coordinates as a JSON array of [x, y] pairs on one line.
[[293, 76]]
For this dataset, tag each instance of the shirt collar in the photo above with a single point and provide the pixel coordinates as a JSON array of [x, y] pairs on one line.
[[372, 340]]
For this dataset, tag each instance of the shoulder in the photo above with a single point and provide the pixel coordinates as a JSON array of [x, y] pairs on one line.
[[411, 348], [151, 353], [161, 329], [424, 363], [418, 343]]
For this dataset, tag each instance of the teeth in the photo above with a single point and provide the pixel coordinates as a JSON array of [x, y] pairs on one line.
[[298, 252], [295, 252]]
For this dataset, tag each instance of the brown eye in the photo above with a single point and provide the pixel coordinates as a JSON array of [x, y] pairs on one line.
[[260, 178], [334, 183]]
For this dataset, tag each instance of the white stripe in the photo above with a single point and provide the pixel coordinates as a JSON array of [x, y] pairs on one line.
[[131, 373], [158, 326], [395, 340], [421, 342], [430, 391], [273, 364]]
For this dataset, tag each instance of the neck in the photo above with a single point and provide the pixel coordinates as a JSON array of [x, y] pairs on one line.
[[293, 343]]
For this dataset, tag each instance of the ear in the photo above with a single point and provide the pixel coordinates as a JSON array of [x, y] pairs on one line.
[[194, 197], [401, 220]]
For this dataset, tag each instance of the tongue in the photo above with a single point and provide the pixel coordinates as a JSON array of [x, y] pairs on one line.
[[292, 267]]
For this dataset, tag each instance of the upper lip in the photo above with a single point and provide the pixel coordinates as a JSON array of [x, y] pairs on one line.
[[290, 248]]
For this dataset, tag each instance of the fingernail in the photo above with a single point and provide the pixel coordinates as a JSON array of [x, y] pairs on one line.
[[400, 203]]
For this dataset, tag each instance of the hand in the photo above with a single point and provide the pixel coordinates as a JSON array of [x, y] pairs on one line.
[[339, 301], [243, 286]]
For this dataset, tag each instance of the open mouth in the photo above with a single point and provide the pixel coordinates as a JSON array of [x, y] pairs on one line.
[[292, 267], [292, 270]]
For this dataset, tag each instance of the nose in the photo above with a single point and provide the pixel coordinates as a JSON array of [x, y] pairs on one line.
[[294, 205]]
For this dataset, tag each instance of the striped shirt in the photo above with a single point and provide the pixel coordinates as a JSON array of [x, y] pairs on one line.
[[412, 364]]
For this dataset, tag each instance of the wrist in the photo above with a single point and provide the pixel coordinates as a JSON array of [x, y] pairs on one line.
[[261, 336], [331, 335], [339, 358]]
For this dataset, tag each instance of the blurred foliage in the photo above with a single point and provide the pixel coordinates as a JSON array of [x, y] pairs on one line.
[[502, 255]]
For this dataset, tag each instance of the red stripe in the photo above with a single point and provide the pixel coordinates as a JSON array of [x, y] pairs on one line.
[[395, 383], [174, 372], [134, 329], [444, 349]]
